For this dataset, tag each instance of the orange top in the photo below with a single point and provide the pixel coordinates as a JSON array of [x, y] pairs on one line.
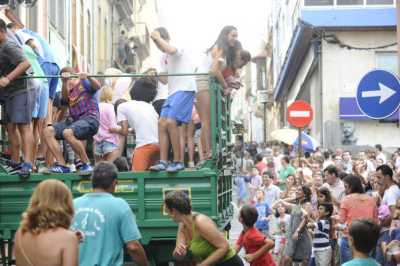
[[357, 206]]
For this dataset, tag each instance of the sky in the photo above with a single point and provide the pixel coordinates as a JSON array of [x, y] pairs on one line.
[[197, 23]]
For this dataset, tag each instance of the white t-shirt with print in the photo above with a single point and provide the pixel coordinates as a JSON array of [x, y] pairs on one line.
[[142, 117], [178, 63]]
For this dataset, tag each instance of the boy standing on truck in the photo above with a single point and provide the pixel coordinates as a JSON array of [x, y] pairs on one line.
[[178, 107]]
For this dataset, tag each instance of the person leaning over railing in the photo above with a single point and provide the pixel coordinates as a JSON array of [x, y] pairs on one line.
[[198, 239], [78, 94], [43, 237], [18, 99]]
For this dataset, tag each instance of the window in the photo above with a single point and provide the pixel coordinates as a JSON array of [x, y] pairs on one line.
[[57, 15], [380, 2], [387, 61], [340, 3], [349, 2], [318, 2]]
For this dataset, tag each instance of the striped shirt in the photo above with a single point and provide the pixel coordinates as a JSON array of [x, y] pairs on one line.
[[321, 235], [82, 101]]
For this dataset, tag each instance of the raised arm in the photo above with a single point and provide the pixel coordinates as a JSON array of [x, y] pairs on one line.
[[162, 44]]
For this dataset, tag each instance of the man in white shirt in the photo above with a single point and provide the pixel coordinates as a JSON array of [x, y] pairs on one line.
[[392, 191], [141, 116], [334, 184], [272, 193], [178, 107]]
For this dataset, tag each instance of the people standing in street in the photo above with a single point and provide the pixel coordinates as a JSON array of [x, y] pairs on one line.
[[177, 109], [255, 243], [298, 241], [198, 239], [44, 237], [355, 205], [392, 191], [271, 191], [286, 170], [107, 223], [364, 235], [18, 100], [334, 184]]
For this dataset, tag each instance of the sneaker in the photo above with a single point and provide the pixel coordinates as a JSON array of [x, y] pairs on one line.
[[44, 170], [159, 166], [25, 172], [175, 167], [59, 169], [78, 164], [85, 169], [191, 165]]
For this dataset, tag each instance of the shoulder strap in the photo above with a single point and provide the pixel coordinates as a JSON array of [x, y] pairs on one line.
[[19, 235]]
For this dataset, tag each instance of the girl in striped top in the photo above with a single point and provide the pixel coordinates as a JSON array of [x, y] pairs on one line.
[[322, 235]]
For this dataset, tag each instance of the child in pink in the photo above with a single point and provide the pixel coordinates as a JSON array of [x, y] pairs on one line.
[[105, 142]]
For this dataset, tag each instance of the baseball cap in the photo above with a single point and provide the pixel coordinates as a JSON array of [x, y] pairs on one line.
[[383, 212]]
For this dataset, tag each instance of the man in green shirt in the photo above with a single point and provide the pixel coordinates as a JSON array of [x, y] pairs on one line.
[[286, 170]]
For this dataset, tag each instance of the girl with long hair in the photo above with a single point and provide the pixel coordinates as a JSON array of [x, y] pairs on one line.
[[43, 237], [218, 57], [298, 245]]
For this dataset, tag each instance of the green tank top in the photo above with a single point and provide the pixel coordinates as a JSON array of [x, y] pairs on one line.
[[201, 248]]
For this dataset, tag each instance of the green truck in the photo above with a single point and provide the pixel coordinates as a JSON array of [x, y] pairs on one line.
[[210, 190]]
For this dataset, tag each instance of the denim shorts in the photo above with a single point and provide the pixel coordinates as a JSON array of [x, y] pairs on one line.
[[179, 107], [105, 147], [84, 128], [51, 69], [42, 101], [18, 106]]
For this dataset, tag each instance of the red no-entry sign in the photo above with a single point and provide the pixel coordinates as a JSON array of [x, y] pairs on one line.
[[300, 114]]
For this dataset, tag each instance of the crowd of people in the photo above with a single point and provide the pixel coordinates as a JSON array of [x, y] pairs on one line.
[[331, 208], [54, 119]]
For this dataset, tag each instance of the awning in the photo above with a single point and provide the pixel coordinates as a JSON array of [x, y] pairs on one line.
[[349, 110]]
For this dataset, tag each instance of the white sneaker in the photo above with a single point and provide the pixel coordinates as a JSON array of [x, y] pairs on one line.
[[72, 167], [191, 165]]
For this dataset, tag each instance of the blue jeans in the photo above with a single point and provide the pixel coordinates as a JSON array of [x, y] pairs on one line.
[[345, 250]]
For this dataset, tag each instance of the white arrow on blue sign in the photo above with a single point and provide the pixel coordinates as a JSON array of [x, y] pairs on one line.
[[378, 94]]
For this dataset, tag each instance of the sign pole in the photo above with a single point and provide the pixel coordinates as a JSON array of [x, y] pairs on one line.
[[299, 148]]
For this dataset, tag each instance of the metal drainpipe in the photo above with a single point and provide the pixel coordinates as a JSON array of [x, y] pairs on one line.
[[321, 83]]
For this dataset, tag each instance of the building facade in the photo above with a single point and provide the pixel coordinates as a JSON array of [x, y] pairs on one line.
[[321, 50], [85, 33]]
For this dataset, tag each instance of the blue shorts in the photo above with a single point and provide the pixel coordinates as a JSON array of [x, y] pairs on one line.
[[51, 69], [179, 107], [42, 101], [105, 147]]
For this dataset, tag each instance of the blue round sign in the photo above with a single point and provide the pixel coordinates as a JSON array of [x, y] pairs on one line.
[[378, 94]]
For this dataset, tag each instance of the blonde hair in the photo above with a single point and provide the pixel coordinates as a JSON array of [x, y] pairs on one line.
[[106, 94], [50, 207]]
